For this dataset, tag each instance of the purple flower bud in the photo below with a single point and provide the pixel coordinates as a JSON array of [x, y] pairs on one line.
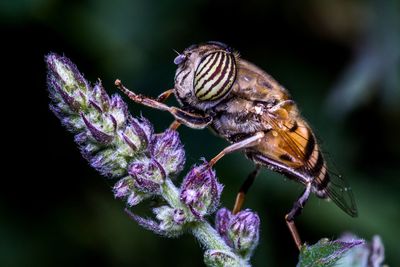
[[222, 221], [118, 110], [123, 187], [96, 106], [243, 231], [135, 198], [148, 175], [98, 135], [109, 162], [64, 96], [171, 220], [100, 96], [137, 134], [66, 84], [64, 71], [200, 190], [129, 140], [222, 258], [168, 150]]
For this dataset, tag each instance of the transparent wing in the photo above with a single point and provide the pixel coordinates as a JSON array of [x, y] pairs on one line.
[[341, 194]]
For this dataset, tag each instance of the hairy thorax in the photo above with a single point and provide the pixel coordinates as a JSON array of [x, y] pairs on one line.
[[245, 111]]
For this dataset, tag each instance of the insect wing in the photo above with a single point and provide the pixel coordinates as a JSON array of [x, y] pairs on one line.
[[341, 194]]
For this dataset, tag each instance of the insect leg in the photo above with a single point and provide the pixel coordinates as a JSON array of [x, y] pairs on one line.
[[296, 210], [244, 189], [248, 142], [175, 125], [165, 95], [192, 120], [161, 98]]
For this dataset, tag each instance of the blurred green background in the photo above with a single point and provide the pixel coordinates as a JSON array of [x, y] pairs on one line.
[[339, 59]]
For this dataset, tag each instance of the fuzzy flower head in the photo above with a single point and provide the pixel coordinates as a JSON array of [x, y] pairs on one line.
[[148, 175], [222, 221], [200, 191], [66, 83], [137, 134], [240, 231], [223, 258], [168, 150], [243, 231], [125, 189], [170, 220]]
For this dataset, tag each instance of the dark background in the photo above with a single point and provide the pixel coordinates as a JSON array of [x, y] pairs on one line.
[[339, 59]]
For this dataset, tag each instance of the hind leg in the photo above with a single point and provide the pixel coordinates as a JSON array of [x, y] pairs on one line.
[[295, 211], [244, 189]]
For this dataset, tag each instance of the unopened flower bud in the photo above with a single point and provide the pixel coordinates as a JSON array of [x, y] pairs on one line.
[[223, 258], [135, 198], [119, 110], [222, 221], [108, 162], [200, 191], [68, 90], [168, 150], [67, 81], [171, 220], [99, 135], [148, 175], [125, 189], [100, 97], [243, 232], [136, 136]]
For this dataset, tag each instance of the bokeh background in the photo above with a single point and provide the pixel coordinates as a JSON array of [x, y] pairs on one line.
[[339, 59]]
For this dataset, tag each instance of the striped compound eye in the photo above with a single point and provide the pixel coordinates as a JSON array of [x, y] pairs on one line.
[[214, 76]]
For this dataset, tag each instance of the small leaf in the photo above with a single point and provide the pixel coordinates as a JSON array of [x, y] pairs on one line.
[[325, 253]]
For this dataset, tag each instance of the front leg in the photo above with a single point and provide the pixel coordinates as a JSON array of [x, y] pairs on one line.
[[192, 120], [245, 143]]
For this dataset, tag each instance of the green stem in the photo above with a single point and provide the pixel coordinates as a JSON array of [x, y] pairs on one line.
[[208, 236], [171, 194]]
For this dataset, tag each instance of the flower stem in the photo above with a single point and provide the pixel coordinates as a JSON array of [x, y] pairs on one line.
[[208, 236], [171, 194]]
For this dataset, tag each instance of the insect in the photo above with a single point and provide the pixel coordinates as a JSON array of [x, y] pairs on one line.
[[218, 89]]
